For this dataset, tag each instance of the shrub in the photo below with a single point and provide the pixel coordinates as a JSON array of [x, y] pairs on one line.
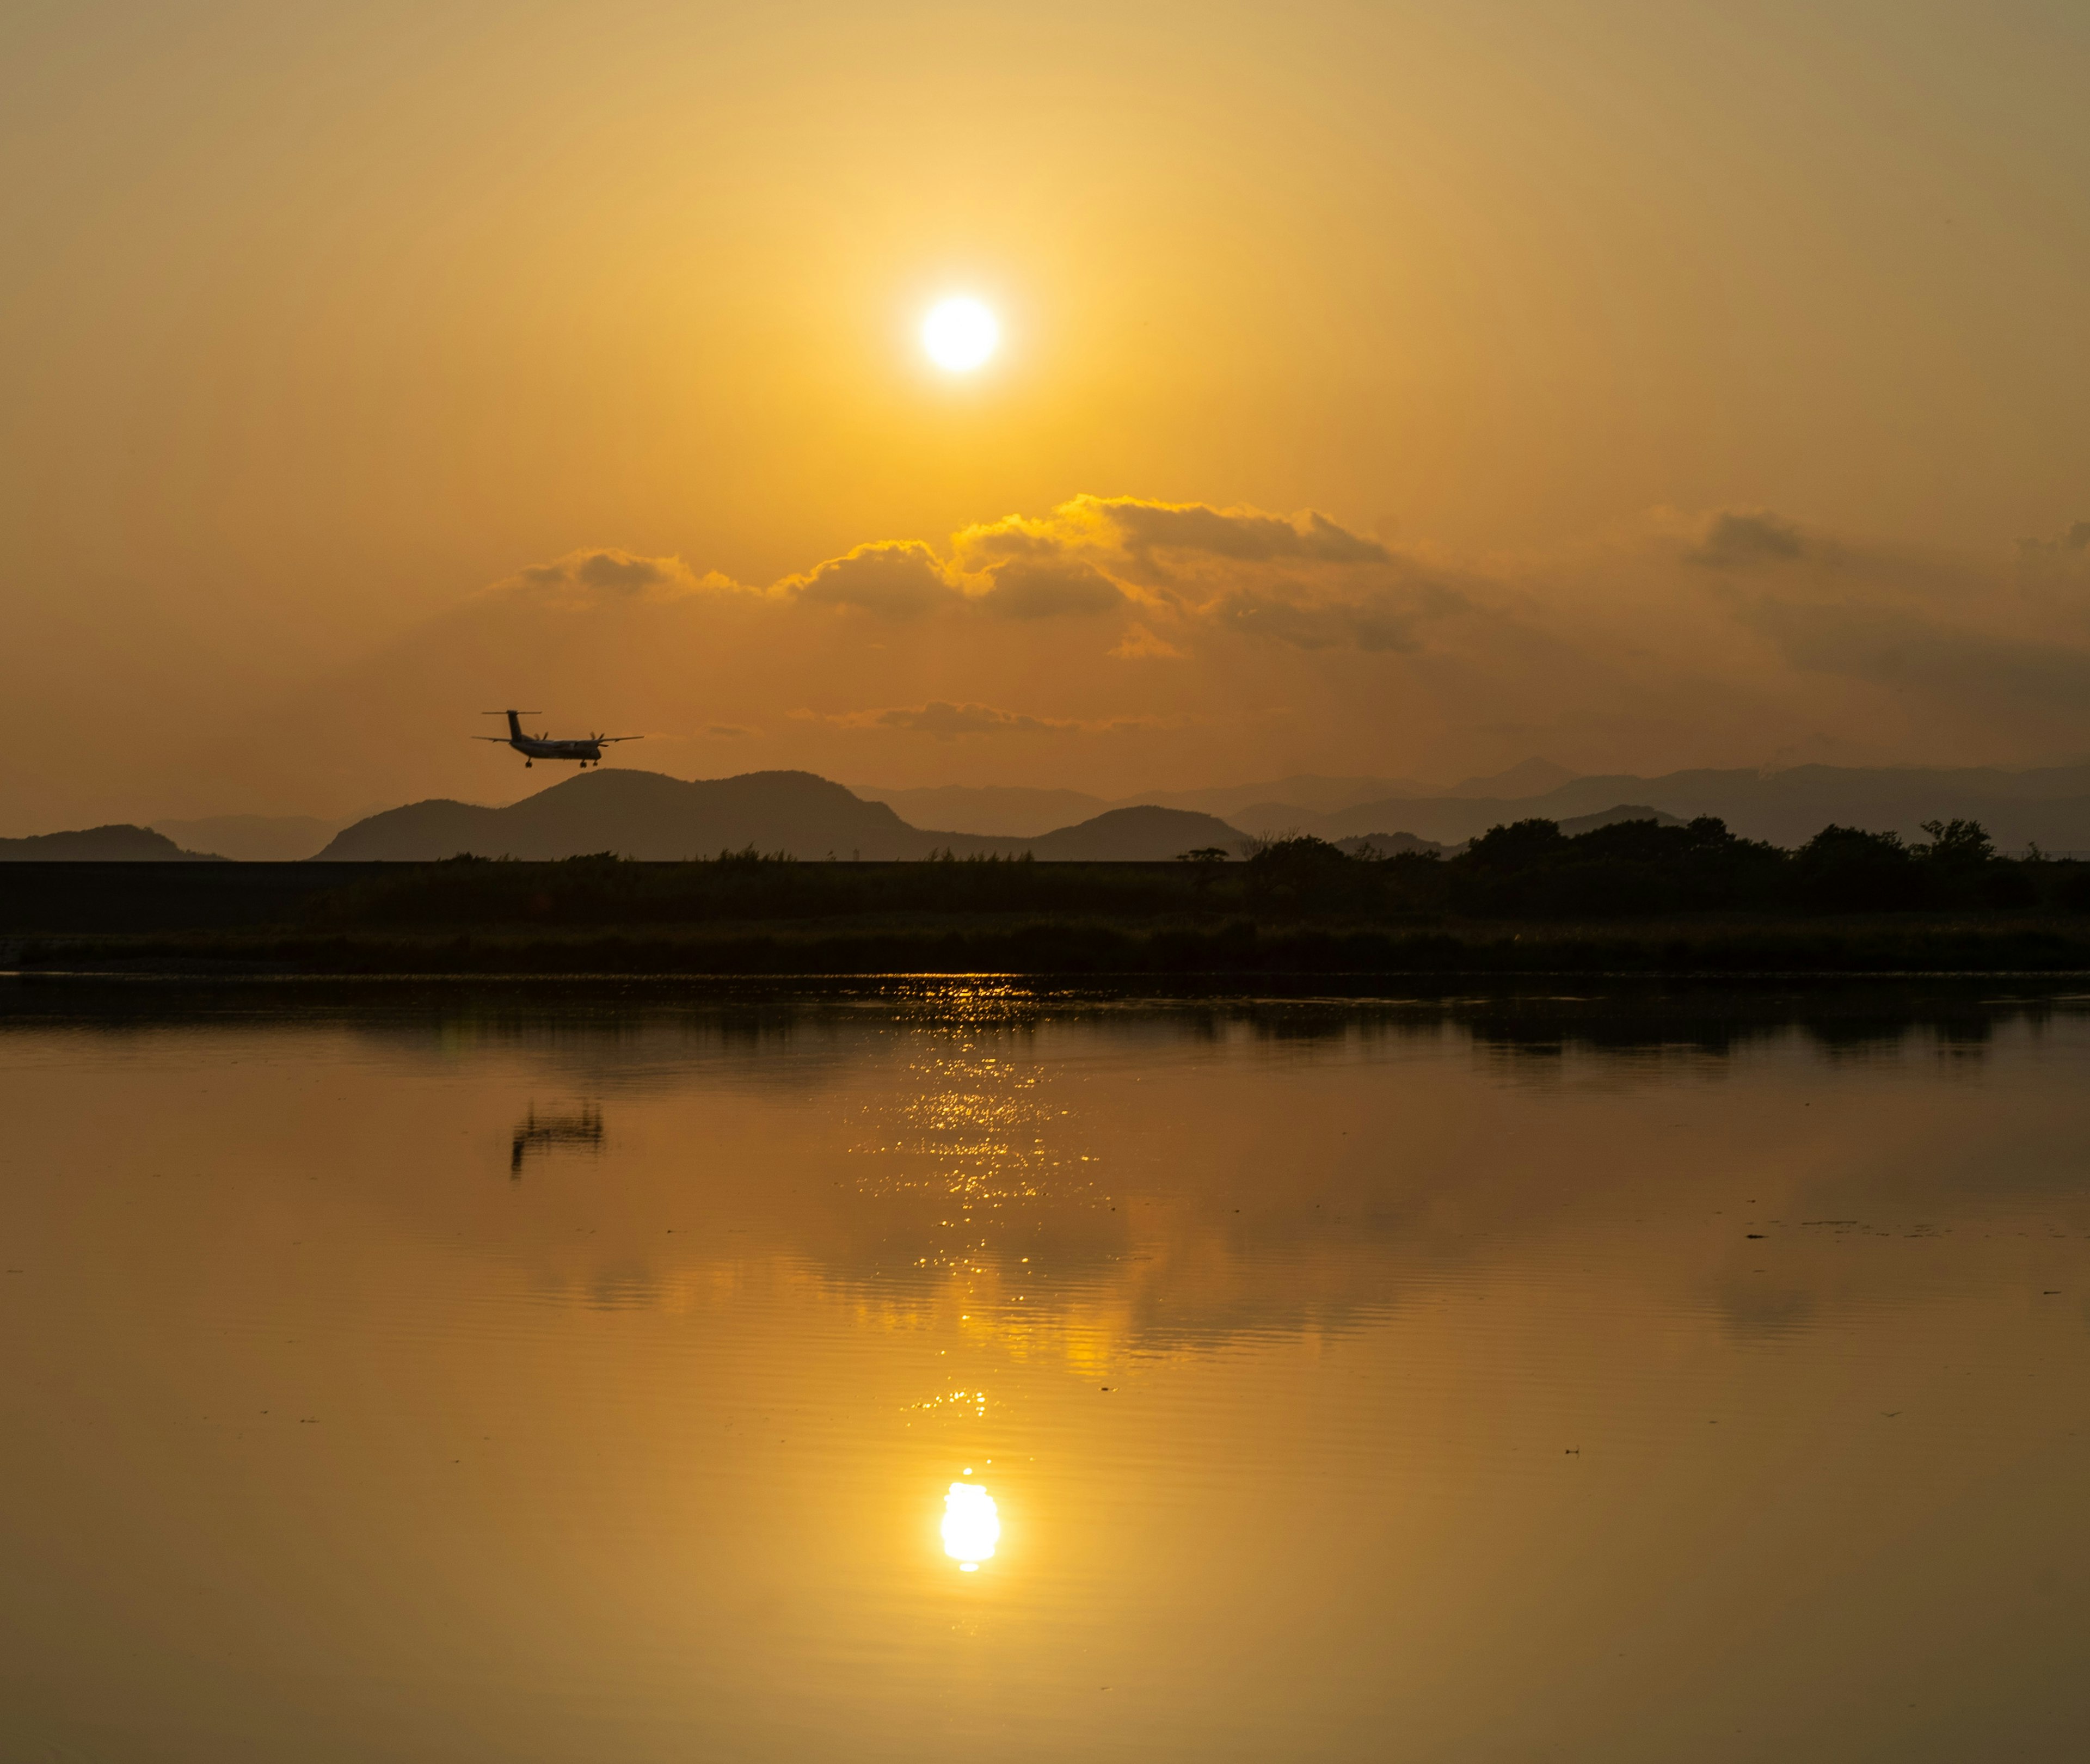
[[1847, 870], [1303, 874], [1517, 846]]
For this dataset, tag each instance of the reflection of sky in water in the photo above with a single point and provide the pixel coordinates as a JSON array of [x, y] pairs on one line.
[[1371, 1382]]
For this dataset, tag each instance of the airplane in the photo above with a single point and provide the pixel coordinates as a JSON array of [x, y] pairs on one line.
[[587, 750]]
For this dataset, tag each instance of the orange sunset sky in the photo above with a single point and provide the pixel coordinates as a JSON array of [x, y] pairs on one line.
[[1402, 388]]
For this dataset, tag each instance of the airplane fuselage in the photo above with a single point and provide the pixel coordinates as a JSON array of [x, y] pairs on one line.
[[583, 750], [538, 747]]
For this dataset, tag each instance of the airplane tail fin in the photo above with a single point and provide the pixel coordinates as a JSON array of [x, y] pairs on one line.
[[514, 726]]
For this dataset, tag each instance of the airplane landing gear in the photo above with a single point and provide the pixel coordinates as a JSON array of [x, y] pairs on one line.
[[527, 764]]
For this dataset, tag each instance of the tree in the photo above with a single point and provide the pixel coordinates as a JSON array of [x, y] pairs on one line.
[[1846, 869], [1958, 844], [1517, 846], [1308, 874], [1205, 862]]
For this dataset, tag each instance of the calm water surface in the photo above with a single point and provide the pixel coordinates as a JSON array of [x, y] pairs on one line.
[[481, 1377]]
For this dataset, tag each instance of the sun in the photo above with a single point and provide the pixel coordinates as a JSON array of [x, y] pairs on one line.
[[960, 334]]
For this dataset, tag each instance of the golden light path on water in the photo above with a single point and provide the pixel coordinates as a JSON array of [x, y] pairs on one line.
[[971, 1526]]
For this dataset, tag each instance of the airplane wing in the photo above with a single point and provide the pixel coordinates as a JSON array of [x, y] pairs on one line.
[[502, 739], [607, 737]]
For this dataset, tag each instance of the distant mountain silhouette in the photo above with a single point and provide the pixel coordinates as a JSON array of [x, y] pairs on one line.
[[1611, 817], [645, 815], [1129, 835], [118, 844], [253, 838], [2050, 806], [1387, 845], [1277, 821], [1007, 809], [1528, 777], [1303, 793], [1288, 802]]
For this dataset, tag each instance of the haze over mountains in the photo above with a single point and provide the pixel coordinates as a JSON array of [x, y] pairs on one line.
[[117, 844], [2049, 807], [253, 838], [1006, 809], [646, 815]]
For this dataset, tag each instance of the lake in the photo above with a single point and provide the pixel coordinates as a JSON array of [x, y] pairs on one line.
[[956, 1371]]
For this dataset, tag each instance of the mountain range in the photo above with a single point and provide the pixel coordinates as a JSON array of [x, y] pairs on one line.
[[253, 838], [119, 844], [648, 816], [2049, 807], [645, 815], [1273, 806]]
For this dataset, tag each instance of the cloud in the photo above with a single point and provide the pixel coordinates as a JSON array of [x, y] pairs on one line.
[[1932, 657], [1140, 644], [607, 569], [945, 721], [1240, 535], [949, 722], [1720, 636], [1186, 571], [1739, 540], [1136, 526], [889, 579], [1368, 625], [2072, 549], [1050, 587], [1013, 536]]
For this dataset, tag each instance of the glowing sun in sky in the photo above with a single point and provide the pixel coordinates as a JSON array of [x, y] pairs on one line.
[[960, 334]]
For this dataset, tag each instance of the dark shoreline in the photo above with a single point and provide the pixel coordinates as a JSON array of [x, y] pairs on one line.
[[1880, 945], [1305, 916]]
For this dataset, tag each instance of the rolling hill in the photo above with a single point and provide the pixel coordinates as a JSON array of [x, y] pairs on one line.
[[1009, 811], [1131, 835], [644, 814], [118, 844]]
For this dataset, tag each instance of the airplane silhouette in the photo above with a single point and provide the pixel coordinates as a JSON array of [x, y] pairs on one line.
[[583, 1129], [587, 750]]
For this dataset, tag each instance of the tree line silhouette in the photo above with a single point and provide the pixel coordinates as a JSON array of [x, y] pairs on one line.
[[1644, 869], [1527, 869]]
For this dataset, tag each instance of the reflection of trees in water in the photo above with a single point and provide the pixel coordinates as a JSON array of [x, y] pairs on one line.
[[1840, 1022], [637, 1031]]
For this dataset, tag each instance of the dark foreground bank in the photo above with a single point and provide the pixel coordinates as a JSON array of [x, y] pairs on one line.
[[1630, 898], [1074, 947]]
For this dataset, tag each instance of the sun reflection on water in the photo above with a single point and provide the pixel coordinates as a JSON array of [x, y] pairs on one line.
[[972, 1527]]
